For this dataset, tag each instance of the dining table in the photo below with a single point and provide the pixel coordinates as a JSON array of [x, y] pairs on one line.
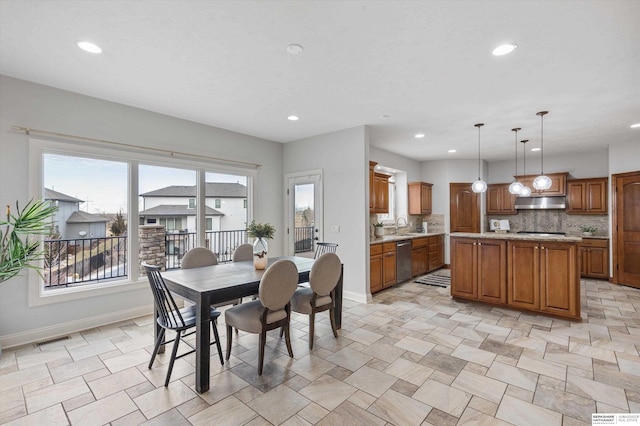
[[207, 285]]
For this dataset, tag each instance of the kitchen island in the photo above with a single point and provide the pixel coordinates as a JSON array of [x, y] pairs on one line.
[[532, 273]]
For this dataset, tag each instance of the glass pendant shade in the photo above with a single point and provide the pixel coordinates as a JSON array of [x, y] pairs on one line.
[[525, 191], [542, 182], [479, 185], [515, 188]]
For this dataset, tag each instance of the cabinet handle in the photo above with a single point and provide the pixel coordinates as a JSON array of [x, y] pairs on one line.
[[542, 247], [479, 244], [535, 248]]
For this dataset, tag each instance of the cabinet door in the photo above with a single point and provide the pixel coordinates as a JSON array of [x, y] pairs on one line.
[[597, 262], [523, 275], [381, 190], [507, 200], [494, 206], [576, 202], [492, 271], [464, 268], [596, 195], [436, 252], [389, 268], [425, 198], [559, 280], [584, 261], [558, 184], [419, 260], [376, 279]]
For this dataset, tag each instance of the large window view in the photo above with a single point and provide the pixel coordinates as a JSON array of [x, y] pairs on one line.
[[89, 239]]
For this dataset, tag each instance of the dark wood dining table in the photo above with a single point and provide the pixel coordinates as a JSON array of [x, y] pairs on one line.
[[227, 281]]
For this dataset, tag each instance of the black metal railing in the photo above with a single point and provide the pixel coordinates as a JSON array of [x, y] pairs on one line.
[[75, 261], [222, 243], [303, 239]]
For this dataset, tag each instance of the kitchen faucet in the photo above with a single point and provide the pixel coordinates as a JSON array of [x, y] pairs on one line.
[[398, 224]]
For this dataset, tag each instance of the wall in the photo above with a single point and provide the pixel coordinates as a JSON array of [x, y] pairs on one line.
[[342, 156], [625, 157], [41, 107]]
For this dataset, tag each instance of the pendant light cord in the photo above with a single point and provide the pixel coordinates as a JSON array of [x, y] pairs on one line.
[[478, 126], [524, 156], [516, 130], [542, 114]]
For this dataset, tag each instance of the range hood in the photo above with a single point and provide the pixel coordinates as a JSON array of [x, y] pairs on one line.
[[541, 203]]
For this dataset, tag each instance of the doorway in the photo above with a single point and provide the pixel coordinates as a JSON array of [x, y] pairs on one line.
[[464, 208], [626, 228], [304, 212]]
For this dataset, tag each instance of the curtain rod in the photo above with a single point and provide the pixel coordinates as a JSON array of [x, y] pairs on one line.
[[28, 131]]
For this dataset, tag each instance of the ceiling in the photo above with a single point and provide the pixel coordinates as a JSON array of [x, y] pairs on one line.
[[427, 65]]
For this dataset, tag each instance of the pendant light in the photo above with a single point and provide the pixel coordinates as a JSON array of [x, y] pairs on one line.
[[516, 186], [479, 185], [542, 182], [525, 191]]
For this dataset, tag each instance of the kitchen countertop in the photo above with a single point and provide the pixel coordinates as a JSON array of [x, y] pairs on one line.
[[510, 236], [401, 237], [592, 237]]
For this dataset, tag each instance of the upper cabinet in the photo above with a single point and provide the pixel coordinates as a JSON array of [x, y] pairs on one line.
[[420, 198], [558, 184], [500, 200], [587, 196], [378, 191]]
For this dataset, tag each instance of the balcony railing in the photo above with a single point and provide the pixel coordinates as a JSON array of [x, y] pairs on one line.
[[222, 243], [303, 239]]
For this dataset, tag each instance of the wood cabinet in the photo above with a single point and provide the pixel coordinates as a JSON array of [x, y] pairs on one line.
[[378, 191], [500, 200], [558, 184], [382, 266], [436, 252], [420, 198], [543, 276], [594, 258], [419, 256], [587, 196], [479, 269]]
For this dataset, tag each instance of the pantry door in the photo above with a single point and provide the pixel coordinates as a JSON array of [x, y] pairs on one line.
[[626, 228]]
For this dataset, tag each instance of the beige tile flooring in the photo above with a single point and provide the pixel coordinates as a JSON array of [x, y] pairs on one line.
[[413, 356]]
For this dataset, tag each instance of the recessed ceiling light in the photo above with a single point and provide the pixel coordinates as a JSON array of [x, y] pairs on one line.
[[451, 151], [87, 46], [293, 118], [419, 135], [535, 149], [294, 49], [635, 126], [503, 49]]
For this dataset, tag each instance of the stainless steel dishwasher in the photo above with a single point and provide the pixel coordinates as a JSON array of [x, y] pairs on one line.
[[403, 261]]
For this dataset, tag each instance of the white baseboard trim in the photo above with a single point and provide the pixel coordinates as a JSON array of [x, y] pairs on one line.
[[58, 330], [356, 297]]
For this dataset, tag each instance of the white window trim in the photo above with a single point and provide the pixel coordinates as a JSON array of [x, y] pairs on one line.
[[37, 147]]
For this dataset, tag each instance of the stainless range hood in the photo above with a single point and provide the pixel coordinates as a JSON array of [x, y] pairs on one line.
[[541, 203]]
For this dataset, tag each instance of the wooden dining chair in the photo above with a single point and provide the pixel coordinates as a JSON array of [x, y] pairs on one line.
[[320, 295], [170, 317], [243, 252], [272, 310], [198, 257]]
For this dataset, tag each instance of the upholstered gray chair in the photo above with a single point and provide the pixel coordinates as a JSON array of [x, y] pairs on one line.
[[243, 252], [320, 295], [272, 310], [198, 257]]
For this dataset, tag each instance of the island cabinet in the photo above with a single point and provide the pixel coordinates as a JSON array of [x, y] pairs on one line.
[[420, 198], [594, 256], [500, 200], [419, 256], [558, 184], [479, 269], [587, 196], [543, 276], [382, 266]]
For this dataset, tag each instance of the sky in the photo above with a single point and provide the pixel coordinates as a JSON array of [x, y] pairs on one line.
[[102, 184]]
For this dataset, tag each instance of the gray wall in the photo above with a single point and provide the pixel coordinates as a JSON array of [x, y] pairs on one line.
[[41, 107]]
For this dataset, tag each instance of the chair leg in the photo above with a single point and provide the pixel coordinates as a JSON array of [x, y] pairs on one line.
[[174, 352], [229, 339], [217, 337], [281, 331], [312, 322], [263, 342], [332, 317], [156, 347], [287, 337]]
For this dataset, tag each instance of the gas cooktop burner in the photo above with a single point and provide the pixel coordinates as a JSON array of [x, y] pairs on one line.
[[542, 233]]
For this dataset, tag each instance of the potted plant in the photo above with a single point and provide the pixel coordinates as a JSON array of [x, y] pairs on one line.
[[261, 232], [17, 250], [588, 230], [378, 229]]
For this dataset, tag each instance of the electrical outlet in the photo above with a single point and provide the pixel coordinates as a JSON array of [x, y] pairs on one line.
[[335, 229]]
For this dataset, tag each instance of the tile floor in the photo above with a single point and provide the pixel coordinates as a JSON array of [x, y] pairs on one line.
[[412, 357]]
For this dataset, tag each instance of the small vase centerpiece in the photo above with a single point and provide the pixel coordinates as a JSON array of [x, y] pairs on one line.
[[588, 230], [378, 229], [261, 232]]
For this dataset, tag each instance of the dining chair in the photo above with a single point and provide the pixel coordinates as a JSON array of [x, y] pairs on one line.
[[198, 257], [320, 296], [243, 252], [170, 317], [272, 310], [322, 248]]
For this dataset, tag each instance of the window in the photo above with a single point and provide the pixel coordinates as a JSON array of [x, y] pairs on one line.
[[90, 251], [245, 203], [217, 203]]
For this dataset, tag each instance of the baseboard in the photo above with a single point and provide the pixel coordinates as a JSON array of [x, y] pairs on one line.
[[58, 330], [356, 297]]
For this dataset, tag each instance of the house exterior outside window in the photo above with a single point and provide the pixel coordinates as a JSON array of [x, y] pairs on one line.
[[218, 203], [192, 203]]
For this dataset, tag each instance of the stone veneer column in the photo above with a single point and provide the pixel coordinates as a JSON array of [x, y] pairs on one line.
[[152, 246]]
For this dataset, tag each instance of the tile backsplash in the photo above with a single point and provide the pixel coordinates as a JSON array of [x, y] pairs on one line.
[[553, 221]]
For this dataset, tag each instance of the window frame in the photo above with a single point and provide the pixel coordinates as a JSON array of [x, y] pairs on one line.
[[133, 158]]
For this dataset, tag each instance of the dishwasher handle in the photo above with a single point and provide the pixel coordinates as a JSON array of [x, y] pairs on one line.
[[404, 243]]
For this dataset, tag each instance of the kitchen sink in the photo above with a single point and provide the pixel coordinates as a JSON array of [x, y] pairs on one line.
[[413, 234]]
